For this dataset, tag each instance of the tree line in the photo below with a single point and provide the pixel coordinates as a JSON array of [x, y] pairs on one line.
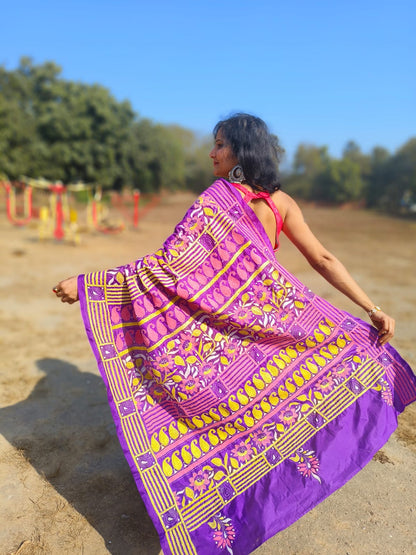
[[378, 180], [68, 131]]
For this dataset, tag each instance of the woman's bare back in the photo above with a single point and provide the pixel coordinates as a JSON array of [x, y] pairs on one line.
[[265, 214]]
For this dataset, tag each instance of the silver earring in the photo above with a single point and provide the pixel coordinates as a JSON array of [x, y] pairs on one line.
[[236, 175]]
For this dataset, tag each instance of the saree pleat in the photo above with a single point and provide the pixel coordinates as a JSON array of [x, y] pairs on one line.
[[241, 399]]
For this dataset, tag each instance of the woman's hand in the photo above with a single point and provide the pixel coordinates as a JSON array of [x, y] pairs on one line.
[[385, 325], [67, 290]]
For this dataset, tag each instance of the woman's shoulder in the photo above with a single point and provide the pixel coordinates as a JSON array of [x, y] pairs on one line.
[[283, 202]]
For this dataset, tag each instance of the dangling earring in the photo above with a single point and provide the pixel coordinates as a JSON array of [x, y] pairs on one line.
[[236, 175]]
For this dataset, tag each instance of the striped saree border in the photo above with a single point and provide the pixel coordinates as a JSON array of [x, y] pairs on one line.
[[207, 505], [134, 436]]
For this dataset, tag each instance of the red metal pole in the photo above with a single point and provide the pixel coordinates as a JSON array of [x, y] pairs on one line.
[[58, 189], [29, 202], [136, 197], [8, 187]]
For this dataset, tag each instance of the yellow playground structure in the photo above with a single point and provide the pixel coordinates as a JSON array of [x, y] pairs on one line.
[[59, 213]]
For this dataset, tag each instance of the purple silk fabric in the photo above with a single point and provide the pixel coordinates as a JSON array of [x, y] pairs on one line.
[[241, 399]]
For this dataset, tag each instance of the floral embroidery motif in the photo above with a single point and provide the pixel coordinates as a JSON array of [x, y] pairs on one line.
[[307, 464], [262, 439], [190, 385], [288, 416], [224, 532], [200, 481], [325, 384], [242, 451], [187, 232], [188, 364], [386, 393], [271, 305], [188, 343]]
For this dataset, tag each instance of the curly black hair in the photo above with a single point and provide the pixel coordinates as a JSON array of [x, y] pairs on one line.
[[256, 149]]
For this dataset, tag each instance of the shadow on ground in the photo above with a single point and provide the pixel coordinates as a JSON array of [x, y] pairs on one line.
[[65, 430]]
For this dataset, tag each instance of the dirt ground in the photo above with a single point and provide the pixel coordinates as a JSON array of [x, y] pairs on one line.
[[65, 487]]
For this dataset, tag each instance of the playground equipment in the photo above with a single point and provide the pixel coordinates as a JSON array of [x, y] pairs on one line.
[[51, 219], [57, 215], [100, 215], [11, 202], [58, 191]]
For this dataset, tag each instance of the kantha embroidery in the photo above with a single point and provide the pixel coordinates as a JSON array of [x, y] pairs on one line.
[[225, 373]]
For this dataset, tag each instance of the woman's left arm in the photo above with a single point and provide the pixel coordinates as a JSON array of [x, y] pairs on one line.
[[332, 269]]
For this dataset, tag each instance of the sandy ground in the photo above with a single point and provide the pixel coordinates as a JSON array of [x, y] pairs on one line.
[[65, 487]]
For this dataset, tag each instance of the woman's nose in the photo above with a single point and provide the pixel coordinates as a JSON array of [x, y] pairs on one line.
[[212, 154]]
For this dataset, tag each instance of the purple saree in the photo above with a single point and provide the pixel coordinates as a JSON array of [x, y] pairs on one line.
[[241, 399]]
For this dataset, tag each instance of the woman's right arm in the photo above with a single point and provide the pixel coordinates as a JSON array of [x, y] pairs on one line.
[[67, 290]]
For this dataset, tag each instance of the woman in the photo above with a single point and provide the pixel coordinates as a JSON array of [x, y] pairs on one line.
[[241, 399], [248, 133]]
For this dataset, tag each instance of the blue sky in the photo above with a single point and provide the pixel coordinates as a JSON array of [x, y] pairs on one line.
[[320, 72]]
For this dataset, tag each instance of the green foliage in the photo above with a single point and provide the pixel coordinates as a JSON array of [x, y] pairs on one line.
[[379, 160], [17, 127], [68, 131], [309, 163], [199, 166], [310, 159], [339, 182], [381, 180]]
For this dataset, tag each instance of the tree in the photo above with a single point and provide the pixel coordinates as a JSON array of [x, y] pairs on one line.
[[352, 151], [376, 182], [308, 164], [341, 181], [199, 173], [19, 143], [400, 178], [69, 131]]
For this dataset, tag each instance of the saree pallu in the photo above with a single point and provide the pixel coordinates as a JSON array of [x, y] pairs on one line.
[[241, 399]]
